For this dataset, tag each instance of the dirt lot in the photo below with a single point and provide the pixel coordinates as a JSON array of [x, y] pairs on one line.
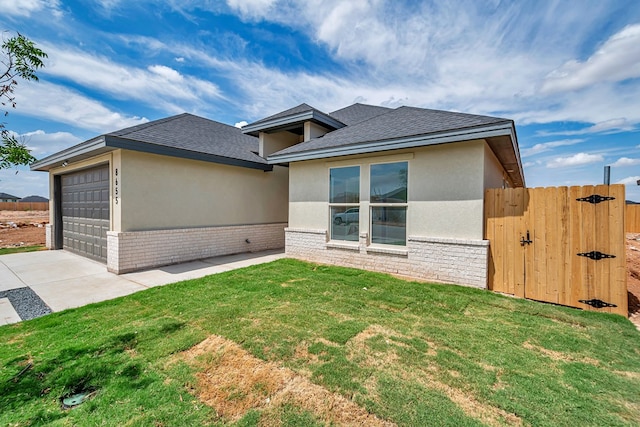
[[633, 280], [22, 228]]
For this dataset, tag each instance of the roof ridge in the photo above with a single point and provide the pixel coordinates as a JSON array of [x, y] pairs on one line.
[[149, 124], [450, 112]]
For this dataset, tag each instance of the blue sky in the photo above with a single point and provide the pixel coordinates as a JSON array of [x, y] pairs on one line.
[[567, 72]]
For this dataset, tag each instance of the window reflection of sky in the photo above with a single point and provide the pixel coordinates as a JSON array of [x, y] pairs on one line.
[[345, 185], [389, 181]]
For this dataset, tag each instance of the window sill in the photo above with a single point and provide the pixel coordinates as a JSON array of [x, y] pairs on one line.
[[352, 246], [401, 250]]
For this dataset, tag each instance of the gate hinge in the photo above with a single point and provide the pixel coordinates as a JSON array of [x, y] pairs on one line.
[[596, 255], [595, 199], [596, 303]]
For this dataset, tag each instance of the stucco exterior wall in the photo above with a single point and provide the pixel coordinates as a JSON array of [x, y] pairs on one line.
[[161, 192], [445, 190], [494, 174], [272, 142]]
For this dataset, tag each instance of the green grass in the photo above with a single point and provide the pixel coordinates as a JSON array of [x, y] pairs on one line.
[[410, 353], [20, 249]]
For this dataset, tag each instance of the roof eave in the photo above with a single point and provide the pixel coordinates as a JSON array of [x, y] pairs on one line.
[[130, 144], [77, 152], [107, 143], [485, 132], [287, 121]]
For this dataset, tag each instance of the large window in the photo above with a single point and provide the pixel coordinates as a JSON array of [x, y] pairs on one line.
[[344, 202], [388, 197]]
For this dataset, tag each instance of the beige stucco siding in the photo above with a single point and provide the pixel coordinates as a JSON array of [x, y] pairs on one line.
[[446, 185], [494, 174], [272, 142], [160, 192]]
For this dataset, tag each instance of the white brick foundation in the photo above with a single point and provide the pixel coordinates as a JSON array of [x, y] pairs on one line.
[[458, 261], [135, 250], [48, 236]]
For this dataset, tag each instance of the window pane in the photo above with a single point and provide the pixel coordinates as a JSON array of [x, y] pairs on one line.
[[389, 183], [344, 186], [389, 225], [345, 221]]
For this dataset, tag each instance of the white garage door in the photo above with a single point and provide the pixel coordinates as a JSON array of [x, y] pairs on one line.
[[85, 212]]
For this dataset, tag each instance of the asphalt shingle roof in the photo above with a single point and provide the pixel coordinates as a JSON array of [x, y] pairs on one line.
[[401, 122], [8, 196], [357, 113], [302, 108], [34, 199], [196, 134]]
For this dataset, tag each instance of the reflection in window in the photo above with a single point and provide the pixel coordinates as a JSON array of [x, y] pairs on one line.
[[344, 185], [388, 195], [344, 199]]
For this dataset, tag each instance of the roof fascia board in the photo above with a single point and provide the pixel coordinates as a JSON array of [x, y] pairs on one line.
[[68, 154], [144, 147], [395, 144], [296, 118]]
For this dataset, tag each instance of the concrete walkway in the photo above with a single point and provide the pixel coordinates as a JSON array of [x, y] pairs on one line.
[[36, 283]]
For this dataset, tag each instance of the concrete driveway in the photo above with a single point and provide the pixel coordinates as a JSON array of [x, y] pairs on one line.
[[33, 284]]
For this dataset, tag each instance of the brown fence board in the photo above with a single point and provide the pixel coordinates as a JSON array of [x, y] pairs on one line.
[[632, 219], [560, 227], [24, 206]]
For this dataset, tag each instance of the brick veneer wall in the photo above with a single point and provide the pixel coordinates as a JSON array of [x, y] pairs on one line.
[[48, 236], [135, 250], [459, 261]]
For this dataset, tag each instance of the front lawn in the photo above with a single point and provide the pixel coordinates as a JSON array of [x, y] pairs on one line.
[[20, 249], [292, 343]]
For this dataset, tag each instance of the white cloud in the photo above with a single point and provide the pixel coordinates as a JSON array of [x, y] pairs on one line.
[[166, 72], [179, 59], [548, 146], [251, 9], [42, 143], [158, 85], [607, 127], [616, 60], [471, 56], [630, 180], [625, 161], [26, 7], [241, 124], [577, 159], [60, 104]]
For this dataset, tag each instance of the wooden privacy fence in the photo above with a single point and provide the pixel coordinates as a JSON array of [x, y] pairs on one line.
[[562, 245], [24, 206], [632, 219]]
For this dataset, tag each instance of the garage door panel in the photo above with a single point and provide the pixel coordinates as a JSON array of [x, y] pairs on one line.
[[85, 212]]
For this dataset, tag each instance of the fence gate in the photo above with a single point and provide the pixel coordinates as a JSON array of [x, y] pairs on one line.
[[563, 245]]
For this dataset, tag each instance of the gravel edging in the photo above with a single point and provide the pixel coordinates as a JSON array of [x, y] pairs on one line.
[[26, 303]]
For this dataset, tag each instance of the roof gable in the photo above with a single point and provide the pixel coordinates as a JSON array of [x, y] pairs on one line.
[[291, 119]]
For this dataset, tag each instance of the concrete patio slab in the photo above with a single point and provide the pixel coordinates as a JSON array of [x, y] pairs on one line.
[[8, 279], [65, 280], [58, 267], [196, 269], [76, 292], [7, 314]]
